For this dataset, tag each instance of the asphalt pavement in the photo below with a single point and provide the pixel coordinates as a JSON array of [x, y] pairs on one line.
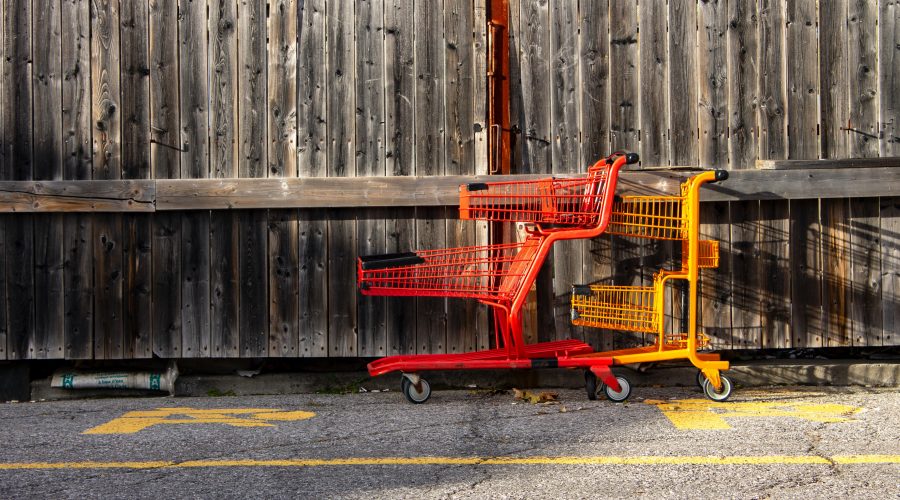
[[783, 442]]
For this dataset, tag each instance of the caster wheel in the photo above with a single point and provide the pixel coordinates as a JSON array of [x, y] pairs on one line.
[[701, 379], [720, 395], [619, 396], [414, 394], [590, 384]]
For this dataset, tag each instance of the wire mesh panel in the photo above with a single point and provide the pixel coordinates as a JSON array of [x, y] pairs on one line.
[[707, 253], [491, 272], [630, 308], [571, 201], [653, 217]]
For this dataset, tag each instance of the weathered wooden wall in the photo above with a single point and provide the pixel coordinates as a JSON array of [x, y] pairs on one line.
[[178, 89]]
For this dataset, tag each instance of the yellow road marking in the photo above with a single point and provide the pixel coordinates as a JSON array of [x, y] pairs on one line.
[[702, 414], [572, 460], [135, 421]]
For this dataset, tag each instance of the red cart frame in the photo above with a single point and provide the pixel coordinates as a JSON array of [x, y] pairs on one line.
[[500, 275]]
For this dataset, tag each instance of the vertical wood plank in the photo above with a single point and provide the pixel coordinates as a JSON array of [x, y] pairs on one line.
[[745, 260], [890, 271], [565, 108], [866, 312], [107, 111], [595, 109], [77, 159], [834, 76], [165, 163], [802, 79], [431, 227], [712, 62], [683, 89], [862, 56], [654, 69], [483, 334], [224, 230], [370, 160], [624, 125], [193, 58], [806, 275], [341, 161], [311, 148], [743, 77], [889, 77], [137, 230], [48, 237], [772, 90], [716, 295], [534, 18], [462, 315], [774, 275], [253, 322], [16, 164], [400, 111], [284, 241]]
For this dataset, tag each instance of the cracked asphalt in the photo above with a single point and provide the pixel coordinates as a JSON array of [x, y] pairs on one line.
[[461, 444]]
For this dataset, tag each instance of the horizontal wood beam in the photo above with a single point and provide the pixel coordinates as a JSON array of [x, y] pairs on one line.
[[363, 192], [885, 161], [78, 196]]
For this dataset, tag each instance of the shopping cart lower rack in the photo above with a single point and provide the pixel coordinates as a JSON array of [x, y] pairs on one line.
[[500, 275], [640, 309]]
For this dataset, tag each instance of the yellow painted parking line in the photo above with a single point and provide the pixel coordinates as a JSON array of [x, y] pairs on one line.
[[135, 421], [477, 461], [702, 414]]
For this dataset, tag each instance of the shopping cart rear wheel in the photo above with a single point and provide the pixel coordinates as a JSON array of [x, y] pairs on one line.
[[590, 384], [720, 395], [701, 379], [618, 396], [415, 393]]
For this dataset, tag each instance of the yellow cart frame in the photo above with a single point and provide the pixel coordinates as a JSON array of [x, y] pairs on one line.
[[640, 309]]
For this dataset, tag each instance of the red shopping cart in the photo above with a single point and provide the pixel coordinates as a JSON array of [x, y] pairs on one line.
[[500, 275]]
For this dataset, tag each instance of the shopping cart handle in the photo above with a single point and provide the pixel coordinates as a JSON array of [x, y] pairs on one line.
[[632, 158], [721, 175]]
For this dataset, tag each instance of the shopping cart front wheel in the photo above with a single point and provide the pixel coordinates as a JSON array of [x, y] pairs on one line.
[[618, 396], [416, 393]]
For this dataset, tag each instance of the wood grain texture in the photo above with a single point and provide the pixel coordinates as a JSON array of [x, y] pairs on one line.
[[772, 117], [565, 110], [370, 160], [866, 299], [862, 56], [834, 79], [683, 89], [712, 64], [801, 44], [654, 69], [716, 292], [746, 318], [224, 273], [534, 65], [77, 160], [400, 112], [462, 315], [165, 163], [624, 125], [137, 230], [431, 226], [889, 77], [284, 284], [341, 161], [774, 276], [836, 269], [253, 319], [743, 76], [807, 322], [890, 272], [312, 224], [48, 164]]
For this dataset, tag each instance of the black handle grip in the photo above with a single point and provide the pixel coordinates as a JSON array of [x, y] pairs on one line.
[[632, 158], [721, 175]]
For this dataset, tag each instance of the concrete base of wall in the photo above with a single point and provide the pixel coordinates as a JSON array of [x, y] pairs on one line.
[[752, 374]]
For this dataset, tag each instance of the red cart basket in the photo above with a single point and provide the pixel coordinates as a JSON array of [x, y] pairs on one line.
[[500, 275]]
